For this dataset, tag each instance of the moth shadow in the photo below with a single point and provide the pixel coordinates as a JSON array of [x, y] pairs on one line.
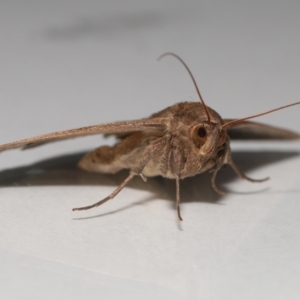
[[62, 170]]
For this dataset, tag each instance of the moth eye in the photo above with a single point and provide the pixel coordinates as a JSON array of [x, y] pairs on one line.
[[222, 138], [201, 132], [199, 136]]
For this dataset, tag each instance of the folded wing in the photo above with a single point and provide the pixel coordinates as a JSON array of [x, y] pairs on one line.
[[155, 125], [256, 131]]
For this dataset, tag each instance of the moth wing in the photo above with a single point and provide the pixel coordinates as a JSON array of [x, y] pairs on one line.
[[156, 125], [247, 130]]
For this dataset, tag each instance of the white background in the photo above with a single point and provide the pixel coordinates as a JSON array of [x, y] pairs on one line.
[[66, 64]]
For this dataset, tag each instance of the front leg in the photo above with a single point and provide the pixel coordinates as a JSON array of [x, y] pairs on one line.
[[225, 157], [149, 153], [176, 165]]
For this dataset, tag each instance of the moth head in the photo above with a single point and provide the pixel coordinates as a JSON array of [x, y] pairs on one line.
[[208, 137]]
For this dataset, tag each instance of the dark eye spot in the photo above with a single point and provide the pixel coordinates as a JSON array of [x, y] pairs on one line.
[[199, 135], [201, 132]]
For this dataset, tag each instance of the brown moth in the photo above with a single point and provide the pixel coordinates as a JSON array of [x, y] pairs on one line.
[[180, 141]]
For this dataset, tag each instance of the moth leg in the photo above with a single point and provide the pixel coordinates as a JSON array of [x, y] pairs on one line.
[[213, 182], [228, 160], [242, 175], [143, 177], [111, 196], [178, 198], [151, 151], [175, 162]]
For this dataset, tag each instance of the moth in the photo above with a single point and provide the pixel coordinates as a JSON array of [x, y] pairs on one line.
[[180, 141]]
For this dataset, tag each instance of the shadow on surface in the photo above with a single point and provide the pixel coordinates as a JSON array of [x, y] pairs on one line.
[[106, 25], [62, 170]]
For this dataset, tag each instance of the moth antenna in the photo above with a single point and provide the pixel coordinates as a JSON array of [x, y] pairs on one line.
[[234, 122], [194, 81]]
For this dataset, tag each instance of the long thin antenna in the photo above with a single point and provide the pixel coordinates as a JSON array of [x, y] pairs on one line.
[[231, 123], [194, 81]]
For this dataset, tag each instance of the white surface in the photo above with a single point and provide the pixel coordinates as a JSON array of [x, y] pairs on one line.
[[67, 64]]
